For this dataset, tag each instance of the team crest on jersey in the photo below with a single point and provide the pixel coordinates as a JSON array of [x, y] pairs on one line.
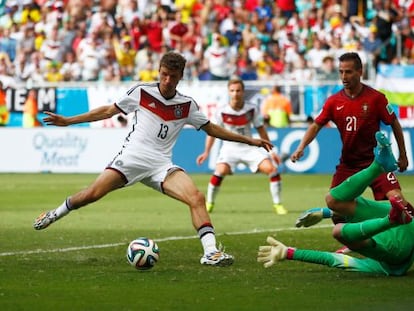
[[389, 109], [364, 108], [178, 112]]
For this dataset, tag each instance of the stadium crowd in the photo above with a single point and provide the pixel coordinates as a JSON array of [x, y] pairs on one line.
[[122, 40]]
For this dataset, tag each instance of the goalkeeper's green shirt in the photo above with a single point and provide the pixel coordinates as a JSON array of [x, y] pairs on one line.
[[393, 254]]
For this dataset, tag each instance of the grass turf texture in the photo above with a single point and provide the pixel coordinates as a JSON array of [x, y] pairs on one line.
[[79, 263]]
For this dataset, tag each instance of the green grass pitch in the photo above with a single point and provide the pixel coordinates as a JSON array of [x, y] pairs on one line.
[[79, 263]]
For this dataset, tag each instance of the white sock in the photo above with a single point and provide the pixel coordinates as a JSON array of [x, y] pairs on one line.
[[62, 210], [275, 190], [209, 243], [212, 192]]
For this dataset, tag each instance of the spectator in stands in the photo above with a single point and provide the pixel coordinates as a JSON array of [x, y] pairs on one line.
[[120, 27], [276, 53], [53, 73], [293, 56], [294, 25], [234, 37], [125, 55], [8, 44], [386, 15], [371, 42], [249, 73], [149, 73], [255, 51], [66, 34], [35, 70], [372, 45], [328, 71], [336, 49], [28, 42], [288, 7], [186, 9], [110, 68], [136, 33], [192, 39], [193, 60], [40, 37], [100, 19], [110, 73], [177, 30], [276, 109], [58, 12], [51, 45], [408, 44], [30, 12], [6, 65], [265, 67], [89, 55], [20, 64], [218, 59], [71, 69], [7, 19], [247, 34], [80, 34], [316, 54], [152, 28], [6, 72]]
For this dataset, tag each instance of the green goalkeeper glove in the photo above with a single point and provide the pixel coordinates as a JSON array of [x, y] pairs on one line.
[[313, 216], [269, 254]]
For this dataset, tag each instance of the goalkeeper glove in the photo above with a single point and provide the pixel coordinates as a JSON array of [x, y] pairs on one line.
[[312, 217], [269, 254]]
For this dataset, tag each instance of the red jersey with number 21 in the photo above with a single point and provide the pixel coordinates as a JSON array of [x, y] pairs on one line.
[[357, 120]]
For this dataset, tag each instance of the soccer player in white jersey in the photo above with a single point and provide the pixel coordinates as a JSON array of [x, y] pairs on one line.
[[160, 112], [239, 117]]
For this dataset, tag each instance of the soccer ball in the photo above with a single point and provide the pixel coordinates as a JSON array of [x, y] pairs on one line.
[[143, 253]]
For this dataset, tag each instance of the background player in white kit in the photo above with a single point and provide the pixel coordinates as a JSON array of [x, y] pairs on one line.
[[239, 117], [160, 112]]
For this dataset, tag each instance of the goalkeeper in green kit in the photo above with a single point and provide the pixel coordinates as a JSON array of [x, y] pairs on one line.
[[383, 232]]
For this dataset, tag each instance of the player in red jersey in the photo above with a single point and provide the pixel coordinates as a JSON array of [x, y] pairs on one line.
[[357, 111]]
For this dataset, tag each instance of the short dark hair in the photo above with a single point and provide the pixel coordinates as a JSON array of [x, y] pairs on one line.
[[352, 56], [277, 88], [173, 61], [235, 80]]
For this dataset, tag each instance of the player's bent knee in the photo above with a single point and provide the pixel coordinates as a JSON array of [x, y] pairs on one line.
[[197, 199], [337, 231]]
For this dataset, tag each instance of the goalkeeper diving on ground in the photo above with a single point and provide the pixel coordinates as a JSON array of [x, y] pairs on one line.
[[382, 232]]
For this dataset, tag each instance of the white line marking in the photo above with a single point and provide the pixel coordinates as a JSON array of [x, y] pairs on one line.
[[171, 238]]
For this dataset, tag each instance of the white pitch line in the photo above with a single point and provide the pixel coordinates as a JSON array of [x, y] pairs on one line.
[[171, 238]]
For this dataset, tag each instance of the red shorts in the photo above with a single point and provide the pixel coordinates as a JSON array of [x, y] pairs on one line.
[[380, 186]]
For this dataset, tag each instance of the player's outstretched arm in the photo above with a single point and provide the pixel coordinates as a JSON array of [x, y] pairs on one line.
[[276, 251], [222, 133], [270, 254], [100, 113], [203, 156], [309, 136]]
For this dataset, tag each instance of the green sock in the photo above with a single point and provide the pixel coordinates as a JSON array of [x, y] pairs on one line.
[[355, 185], [352, 232]]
